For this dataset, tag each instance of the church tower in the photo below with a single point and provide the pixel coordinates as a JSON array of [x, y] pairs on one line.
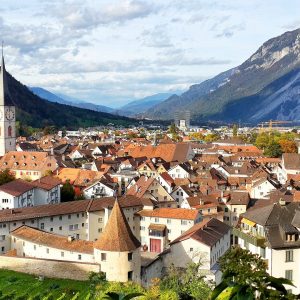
[[7, 115]]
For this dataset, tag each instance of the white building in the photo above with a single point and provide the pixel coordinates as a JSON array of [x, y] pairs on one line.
[[272, 231]]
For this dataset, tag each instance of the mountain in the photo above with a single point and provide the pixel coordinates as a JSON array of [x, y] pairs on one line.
[[37, 112], [265, 86], [63, 99], [140, 106]]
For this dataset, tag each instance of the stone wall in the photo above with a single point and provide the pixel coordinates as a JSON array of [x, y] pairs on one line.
[[48, 268]]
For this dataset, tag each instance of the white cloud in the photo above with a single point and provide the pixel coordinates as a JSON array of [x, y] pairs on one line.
[[116, 50]]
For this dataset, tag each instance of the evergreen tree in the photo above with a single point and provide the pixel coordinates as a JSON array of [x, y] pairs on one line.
[[67, 192]]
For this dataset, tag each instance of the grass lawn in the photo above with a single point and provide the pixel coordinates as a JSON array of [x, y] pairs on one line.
[[14, 285]]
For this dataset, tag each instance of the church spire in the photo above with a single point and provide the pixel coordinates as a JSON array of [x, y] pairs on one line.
[[5, 98]]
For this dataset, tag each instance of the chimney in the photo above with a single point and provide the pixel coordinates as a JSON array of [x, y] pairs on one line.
[[51, 151], [282, 202], [70, 238], [63, 157]]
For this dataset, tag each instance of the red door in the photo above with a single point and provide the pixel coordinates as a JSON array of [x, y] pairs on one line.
[[155, 245]]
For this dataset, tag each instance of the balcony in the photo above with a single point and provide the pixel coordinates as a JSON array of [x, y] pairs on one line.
[[255, 240]]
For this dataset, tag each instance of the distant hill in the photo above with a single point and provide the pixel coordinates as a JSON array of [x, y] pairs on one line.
[[266, 86], [37, 112], [63, 99], [138, 107]]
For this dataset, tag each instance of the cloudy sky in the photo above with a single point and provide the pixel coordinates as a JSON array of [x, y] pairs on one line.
[[111, 52]]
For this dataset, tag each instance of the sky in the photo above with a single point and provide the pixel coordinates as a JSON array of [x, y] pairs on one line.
[[112, 52]]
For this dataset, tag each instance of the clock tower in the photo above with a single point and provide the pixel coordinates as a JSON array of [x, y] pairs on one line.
[[7, 115]]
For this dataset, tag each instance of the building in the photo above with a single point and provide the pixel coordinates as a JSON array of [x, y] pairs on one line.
[[7, 115], [272, 231], [28, 165]]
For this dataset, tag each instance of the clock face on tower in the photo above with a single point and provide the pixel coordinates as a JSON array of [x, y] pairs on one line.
[[9, 114]]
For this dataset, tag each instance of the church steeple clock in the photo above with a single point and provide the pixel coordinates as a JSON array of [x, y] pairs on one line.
[[7, 114]]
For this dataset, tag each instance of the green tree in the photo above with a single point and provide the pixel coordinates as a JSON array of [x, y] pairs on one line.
[[245, 277], [6, 176], [186, 283], [273, 149], [67, 192], [235, 130]]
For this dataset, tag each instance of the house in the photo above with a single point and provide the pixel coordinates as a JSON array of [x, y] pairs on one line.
[[205, 242], [150, 188], [161, 225], [290, 167], [46, 190], [21, 193], [272, 230], [28, 165], [166, 181], [100, 188], [180, 171], [15, 194], [261, 188], [235, 204]]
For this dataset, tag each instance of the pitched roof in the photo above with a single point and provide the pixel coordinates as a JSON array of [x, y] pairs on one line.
[[28, 160], [208, 232], [46, 182], [171, 213], [72, 207], [168, 152], [16, 187], [140, 187], [40, 237], [291, 161], [117, 235]]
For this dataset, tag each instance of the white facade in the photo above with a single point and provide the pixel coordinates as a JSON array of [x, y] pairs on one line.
[[98, 190]]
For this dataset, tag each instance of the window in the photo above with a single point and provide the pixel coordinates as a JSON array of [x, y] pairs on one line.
[[51, 219], [100, 220], [130, 275], [77, 215], [99, 230], [169, 230], [103, 256], [9, 131], [168, 221], [60, 218], [42, 226], [142, 228], [34, 247], [47, 250], [130, 256], [156, 220], [69, 217], [2, 249], [62, 254], [183, 222], [51, 229], [79, 256], [60, 228], [289, 274], [289, 255], [82, 225], [191, 249]]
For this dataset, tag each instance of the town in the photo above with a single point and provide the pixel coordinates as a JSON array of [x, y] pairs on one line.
[[131, 202]]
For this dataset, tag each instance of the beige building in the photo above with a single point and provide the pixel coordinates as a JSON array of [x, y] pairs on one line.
[[28, 165], [160, 226]]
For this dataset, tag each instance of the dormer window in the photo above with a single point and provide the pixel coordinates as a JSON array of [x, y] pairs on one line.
[[24, 164], [16, 163], [33, 157], [24, 156], [292, 237]]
